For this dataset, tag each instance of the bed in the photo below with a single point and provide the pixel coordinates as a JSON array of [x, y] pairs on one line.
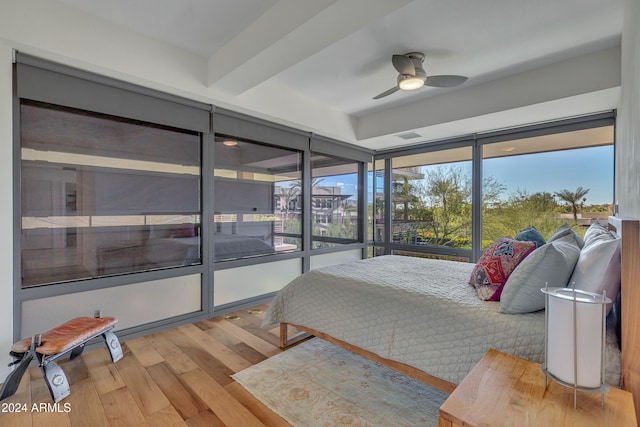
[[441, 344]]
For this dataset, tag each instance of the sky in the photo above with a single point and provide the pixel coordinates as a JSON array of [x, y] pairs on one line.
[[590, 168]]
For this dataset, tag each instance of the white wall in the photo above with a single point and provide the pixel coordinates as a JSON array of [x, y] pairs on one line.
[[628, 122], [236, 284], [333, 258], [132, 305]]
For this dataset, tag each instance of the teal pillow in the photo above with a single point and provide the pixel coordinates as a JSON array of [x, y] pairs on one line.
[[531, 234]]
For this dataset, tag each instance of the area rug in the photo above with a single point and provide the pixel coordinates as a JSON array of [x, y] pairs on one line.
[[320, 384]]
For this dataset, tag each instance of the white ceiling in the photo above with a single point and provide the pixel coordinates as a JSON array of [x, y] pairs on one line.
[[525, 59]]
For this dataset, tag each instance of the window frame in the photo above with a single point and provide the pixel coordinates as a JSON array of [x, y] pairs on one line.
[[476, 141], [48, 82], [387, 245], [235, 262], [58, 84], [324, 208], [94, 225]]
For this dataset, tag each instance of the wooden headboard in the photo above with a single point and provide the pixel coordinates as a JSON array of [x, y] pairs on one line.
[[629, 230]]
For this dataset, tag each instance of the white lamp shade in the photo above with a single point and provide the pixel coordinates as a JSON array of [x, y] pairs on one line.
[[588, 337]]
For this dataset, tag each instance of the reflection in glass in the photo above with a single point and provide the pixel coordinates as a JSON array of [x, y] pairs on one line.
[[375, 182], [334, 201], [103, 195], [258, 199]]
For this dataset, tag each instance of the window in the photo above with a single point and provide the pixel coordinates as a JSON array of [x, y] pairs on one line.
[[376, 191], [431, 199], [546, 181], [257, 199], [103, 195], [334, 193]]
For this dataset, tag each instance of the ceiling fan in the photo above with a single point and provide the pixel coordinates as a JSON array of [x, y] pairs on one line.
[[412, 76]]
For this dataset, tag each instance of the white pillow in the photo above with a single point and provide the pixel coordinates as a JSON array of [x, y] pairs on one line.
[[598, 266], [595, 229], [550, 264], [566, 230]]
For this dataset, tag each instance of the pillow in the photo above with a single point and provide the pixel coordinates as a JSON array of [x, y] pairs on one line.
[[550, 264], [494, 266], [565, 230], [594, 230], [598, 266], [531, 234]]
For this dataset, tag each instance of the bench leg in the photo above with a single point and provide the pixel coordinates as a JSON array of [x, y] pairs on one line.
[[56, 381], [12, 382], [113, 344]]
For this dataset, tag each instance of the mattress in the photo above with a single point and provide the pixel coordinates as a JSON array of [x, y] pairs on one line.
[[421, 312]]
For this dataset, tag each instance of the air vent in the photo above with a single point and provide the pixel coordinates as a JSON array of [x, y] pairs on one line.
[[408, 135]]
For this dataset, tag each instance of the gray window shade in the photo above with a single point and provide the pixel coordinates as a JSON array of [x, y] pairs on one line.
[[548, 128], [323, 145], [230, 123], [49, 82]]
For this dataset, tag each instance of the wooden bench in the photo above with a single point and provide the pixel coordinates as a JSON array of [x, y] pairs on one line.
[[70, 337]]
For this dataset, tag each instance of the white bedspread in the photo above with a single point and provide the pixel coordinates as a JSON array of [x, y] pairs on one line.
[[421, 312]]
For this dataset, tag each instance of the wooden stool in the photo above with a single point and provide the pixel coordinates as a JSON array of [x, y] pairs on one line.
[[51, 345]]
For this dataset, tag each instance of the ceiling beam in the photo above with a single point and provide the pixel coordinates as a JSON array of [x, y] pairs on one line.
[[289, 32]]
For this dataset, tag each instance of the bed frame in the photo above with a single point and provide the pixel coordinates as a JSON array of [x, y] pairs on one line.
[[629, 230]]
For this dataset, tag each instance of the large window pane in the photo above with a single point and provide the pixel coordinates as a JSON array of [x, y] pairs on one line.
[[103, 195], [334, 201], [431, 199], [257, 201], [546, 181]]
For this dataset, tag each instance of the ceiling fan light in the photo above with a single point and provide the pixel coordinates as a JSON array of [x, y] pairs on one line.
[[411, 83]]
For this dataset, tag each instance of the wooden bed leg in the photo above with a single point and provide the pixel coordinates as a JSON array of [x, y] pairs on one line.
[[284, 331], [286, 341]]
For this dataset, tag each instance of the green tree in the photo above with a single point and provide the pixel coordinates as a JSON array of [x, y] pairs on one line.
[[523, 209], [447, 194], [404, 198], [573, 199]]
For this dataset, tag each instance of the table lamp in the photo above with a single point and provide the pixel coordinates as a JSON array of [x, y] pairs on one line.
[[575, 325]]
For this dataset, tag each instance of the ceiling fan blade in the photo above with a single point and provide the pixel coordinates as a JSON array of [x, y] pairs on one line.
[[403, 64], [387, 92], [445, 81]]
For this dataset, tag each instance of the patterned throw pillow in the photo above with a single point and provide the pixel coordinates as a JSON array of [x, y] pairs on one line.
[[496, 264]]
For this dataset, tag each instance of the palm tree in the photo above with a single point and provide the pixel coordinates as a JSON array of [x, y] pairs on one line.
[[572, 198]]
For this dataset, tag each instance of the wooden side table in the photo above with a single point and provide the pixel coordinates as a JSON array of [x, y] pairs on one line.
[[504, 390]]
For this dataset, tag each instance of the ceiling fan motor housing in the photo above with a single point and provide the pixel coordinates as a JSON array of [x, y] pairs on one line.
[[419, 76]]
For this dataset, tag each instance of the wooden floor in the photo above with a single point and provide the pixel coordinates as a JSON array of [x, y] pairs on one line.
[[179, 377]]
